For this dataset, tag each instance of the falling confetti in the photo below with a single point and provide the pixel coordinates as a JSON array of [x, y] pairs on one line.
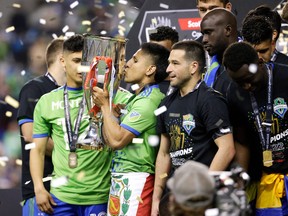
[[164, 175], [54, 36], [65, 28], [160, 110], [69, 34], [15, 5], [58, 182], [86, 22], [137, 140], [10, 29], [80, 176], [30, 146], [18, 162], [4, 158], [135, 87], [175, 115], [74, 4], [42, 21], [48, 178], [11, 101], [121, 14], [124, 2], [23, 72], [123, 111], [153, 140], [139, 199], [165, 6], [252, 68], [8, 113]]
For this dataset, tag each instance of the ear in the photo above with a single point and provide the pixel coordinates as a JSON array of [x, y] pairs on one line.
[[151, 70], [194, 67], [228, 6], [63, 62], [274, 35], [228, 30]]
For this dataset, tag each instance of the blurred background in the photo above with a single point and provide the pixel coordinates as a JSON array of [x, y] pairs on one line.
[[27, 26]]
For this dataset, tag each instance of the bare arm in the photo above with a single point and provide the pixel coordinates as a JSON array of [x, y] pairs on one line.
[[162, 170], [225, 153], [242, 155], [43, 197], [27, 132]]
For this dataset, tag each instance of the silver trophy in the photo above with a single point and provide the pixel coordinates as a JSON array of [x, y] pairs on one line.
[[106, 58]]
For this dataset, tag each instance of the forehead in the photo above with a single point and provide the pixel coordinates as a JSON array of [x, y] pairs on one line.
[[263, 45], [176, 54], [209, 3], [166, 43], [72, 55]]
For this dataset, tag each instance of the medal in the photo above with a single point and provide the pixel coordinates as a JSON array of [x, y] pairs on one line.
[[267, 158], [72, 159]]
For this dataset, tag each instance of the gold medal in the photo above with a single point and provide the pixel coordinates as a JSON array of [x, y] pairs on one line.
[[72, 159], [267, 158]]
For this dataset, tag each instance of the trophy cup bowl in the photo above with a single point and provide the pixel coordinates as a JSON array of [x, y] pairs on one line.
[[106, 58]]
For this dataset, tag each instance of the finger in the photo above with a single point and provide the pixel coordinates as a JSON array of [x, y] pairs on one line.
[[52, 201], [48, 208]]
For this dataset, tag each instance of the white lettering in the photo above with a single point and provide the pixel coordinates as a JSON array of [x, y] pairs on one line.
[[277, 137], [181, 152], [192, 24]]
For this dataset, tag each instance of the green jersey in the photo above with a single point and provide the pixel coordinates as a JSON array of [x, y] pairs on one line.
[[89, 182], [140, 120]]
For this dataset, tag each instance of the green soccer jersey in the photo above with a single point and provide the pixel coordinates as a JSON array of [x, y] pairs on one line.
[[141, 121], [89, 182]]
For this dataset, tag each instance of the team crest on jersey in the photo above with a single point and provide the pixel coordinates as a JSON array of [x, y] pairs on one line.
[[134, 116], [188, 123], [280, 107]]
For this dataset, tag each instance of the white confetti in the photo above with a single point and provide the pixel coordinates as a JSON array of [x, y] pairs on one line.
[[4, 158], [153, 140], [135, 87], [165, 6], [48, 178], [27, 182], [65, 28], [42, 21], [18, 162], [2, 163], [11, 101], [58, 182], [54, 36], [15, 5], [121, 14], [86, 22], [122, 28], [69, 34], [137, 140], [109, 15], [83, 68], [23, 72], [123, 111], [253, 68], [103, 32], [1, 14], [8, 113], [10, 29], [30, 146], [74, 4], [160, 110], [124, 2]]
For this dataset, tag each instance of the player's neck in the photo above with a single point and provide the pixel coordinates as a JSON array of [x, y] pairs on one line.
[[189, 86]]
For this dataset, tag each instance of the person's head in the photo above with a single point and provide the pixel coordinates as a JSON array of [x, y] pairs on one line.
[[192, 189], [204, 6], [244, 67], [165, 36], [219, 29], [72, 55], [186, 62], [257, 31], [284, 14], [147, 65], [272, 15]]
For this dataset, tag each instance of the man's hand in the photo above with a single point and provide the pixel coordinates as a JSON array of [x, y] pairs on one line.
[[155, 208], [117, 109], [44, 201], [100, 96]]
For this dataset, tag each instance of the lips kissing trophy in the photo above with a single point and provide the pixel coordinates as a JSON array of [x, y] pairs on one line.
[[106, 58]]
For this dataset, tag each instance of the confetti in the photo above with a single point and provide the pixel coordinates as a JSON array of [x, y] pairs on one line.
[[86, 22], [253, 68], [18, 162], [137, 140], [124, 2], [123, 111], [121, 14], [48, 178], [27, 182], [42, 21], [11, 101], [65, 28], [219, 122], [135, 87], [16, 5], [10, 29], [164, 175], [4, 158], [165, 6], [103, 32], [8, 113], [23, 72], [175, 115], [139, 199], [74, 4], [121, 28], [160, 110], [109, 15], [58, 182], [83, 68], [54, 36], [153, 140], [30, 146], [69, 34], [80, 176], [2, 163], [1, 14]]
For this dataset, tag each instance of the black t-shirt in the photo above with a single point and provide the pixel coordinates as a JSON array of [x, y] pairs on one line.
[[281, 58], [29, 96], [192, 123], [222, 81], [243, 121]]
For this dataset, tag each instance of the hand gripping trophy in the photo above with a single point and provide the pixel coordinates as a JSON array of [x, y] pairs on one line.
[[106, 58]]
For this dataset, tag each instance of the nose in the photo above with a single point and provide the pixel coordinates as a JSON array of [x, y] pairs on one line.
[[168, 70], [204, 39]]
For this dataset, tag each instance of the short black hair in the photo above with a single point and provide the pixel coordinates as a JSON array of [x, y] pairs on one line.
[[225, 2], [74, 43], [238, 54], [194, 51], [256, 29], [164, 33], [159, 55]]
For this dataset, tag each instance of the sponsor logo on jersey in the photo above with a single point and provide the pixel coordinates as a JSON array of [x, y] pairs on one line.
[[280, 107], [134, 116], [188, 123]]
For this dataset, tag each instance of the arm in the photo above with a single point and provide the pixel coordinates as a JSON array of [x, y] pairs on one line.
[[43, 197], [163, 166], [27, 131], [225, 153], [242, 155]]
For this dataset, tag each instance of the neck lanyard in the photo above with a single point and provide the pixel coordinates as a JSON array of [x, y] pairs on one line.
[[268, 123], [51, 78], [274, 56], [72, 136]]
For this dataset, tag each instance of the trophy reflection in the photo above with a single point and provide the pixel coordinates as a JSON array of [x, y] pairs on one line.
[[106, 58]]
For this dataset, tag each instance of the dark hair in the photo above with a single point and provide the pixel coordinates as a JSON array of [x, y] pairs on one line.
[[74, 43], [160, 57], [53, 49], [267, 12], [193, 51], [164, 33], [256, 29], [225, 2], [238, 54]]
